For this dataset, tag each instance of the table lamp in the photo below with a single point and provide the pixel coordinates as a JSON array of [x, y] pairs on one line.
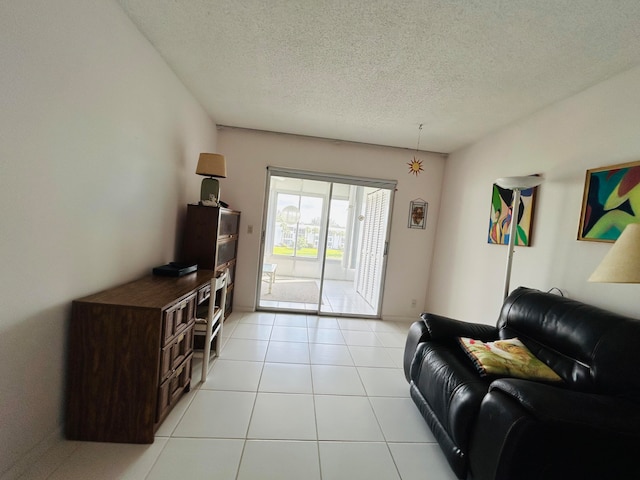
[[621, 264], [211, 165]]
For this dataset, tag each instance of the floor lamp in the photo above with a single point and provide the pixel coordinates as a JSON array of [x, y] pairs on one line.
[[517, 184]]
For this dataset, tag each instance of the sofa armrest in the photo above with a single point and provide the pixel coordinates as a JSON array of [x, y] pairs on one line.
[[550, 437], [552, 404], [444, 328], [417, 334]]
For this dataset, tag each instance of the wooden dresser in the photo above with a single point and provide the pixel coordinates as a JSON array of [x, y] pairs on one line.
[[129, 356], [211, 241]]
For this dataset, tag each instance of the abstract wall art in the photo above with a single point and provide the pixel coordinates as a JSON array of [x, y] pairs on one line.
[[610, 202], [501, 216]]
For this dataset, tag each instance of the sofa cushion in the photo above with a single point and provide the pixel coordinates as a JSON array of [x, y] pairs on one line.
[[507, 358]]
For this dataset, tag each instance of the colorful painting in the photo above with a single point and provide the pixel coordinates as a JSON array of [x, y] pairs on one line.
[[501, 215], [610, 202]]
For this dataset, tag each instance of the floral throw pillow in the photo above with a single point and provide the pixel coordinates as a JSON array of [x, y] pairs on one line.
[[507, 358]]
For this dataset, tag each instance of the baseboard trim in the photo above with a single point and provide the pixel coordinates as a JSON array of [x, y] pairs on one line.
[[31, 458], [399, 318]]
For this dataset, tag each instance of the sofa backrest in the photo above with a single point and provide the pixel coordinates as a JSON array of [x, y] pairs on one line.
[[592, 349]]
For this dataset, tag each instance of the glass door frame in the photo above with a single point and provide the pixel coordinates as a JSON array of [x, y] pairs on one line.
[[331, 179]]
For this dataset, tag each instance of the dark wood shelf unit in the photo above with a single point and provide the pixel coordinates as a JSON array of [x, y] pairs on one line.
[[211, 241]]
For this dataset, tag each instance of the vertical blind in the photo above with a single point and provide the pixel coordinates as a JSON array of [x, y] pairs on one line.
[[373, 246]]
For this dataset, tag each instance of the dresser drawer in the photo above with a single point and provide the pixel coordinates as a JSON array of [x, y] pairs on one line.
[[177, 317], [204, 293], [175, 352], [173, 387]]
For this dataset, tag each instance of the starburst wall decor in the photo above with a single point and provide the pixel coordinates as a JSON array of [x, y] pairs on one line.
[[415, 165]]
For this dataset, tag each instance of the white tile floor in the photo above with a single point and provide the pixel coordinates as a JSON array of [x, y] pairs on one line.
[[291, 397]]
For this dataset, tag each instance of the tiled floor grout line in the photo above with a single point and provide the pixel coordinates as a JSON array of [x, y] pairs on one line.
[[255, 400], [315, 414], [253, 408], [386, 441]]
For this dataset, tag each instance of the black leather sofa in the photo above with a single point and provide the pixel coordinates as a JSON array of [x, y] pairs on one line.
[[585, 427]]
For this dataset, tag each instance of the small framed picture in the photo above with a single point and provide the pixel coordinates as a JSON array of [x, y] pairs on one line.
[[418, 214]]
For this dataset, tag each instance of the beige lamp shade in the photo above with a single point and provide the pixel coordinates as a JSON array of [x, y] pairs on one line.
[[212, 165], [622, 263]]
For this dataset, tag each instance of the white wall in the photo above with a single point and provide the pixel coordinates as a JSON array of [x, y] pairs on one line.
[[98, 145], [249, 153], [595, 128]]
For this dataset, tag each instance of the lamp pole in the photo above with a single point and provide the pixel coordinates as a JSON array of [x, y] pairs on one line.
[[513, 228], [517, 184]]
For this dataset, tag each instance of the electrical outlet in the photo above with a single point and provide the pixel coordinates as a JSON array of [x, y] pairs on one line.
[[249, 229], [413, 303]]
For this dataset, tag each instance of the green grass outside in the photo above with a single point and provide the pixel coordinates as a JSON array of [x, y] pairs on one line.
[[307, 252]]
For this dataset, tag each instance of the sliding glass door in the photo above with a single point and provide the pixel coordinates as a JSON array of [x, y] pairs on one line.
[[324, 243]]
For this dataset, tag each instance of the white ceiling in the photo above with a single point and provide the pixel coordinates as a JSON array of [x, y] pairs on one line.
[[372, 71]]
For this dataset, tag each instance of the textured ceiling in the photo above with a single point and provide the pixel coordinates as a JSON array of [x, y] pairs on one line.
[[373, 70]]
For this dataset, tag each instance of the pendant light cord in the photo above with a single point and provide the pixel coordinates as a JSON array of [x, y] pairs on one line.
[[419, 133]]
